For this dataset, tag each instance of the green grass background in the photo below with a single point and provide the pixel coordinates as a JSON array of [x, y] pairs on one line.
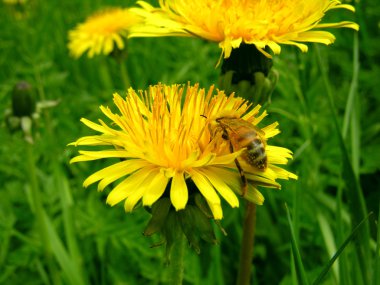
[[327, 104]]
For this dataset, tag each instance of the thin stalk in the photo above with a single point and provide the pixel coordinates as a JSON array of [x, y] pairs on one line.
[[176, 261], [42, 97], [344, 259], [353, 87], [38, 208], [246, 253], [125, 75], [105, 75]]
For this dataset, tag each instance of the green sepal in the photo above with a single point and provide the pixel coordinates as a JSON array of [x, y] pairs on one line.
[[159, 212], [202, 225], [201, 203], [185, 219], [171, 231]]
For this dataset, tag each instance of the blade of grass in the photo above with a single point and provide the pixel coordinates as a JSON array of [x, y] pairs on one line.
[[353, 87], [355, 196], [355, 137], [376, 271], [300, 271], [344, 272], [297, 197], [42, 272], [322, 275], [355, 118], [328, 238], [68, 266]]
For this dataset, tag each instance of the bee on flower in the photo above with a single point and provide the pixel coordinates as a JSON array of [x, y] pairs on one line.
[[174, 141]]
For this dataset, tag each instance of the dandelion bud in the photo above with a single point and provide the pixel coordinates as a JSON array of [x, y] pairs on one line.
[[248, 73], [23, 101]]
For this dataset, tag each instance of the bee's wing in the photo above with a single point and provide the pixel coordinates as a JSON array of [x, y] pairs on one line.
[[249, 125]]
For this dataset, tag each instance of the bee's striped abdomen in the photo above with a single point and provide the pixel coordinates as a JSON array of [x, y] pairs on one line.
[[256, 155]]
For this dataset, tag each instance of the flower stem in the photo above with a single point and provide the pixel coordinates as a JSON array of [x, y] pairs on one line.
[[104, 74], [125, 75], [246, 253], [176, 261]]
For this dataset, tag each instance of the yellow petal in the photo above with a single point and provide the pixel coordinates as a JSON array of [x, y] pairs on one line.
[[178, 191], [233, 181], [223, 189], [132, 199], [278, 155], [94, 126], [216, 210], [227, 158], [316, 37], [271, 130], [205, 187], [128, 186], [262, 181], [105, 153], [93, 140], [344, 24], [155, 189], [140, 191], [282, 173], [253, 195], [123, 168]]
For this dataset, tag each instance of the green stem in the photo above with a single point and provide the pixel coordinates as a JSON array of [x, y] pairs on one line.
[[105, 75], [246, 253], [176, 261], [38, 207], [125, 75], [42, 98], [353, 87]]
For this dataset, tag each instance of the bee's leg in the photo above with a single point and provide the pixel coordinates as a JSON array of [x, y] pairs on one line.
[[241, 172], [243, 178]]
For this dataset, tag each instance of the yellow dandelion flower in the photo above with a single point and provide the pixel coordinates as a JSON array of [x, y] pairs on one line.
[[263, 23], [102, 32], [15, 2], [165, 140]]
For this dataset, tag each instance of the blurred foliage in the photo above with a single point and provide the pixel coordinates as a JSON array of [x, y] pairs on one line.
[[91, 243]]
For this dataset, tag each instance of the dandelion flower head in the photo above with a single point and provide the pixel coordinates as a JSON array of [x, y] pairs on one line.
[[163, 140], [102, 32], [263, 23]]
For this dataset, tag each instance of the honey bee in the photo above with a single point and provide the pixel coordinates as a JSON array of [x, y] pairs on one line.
[[242, 134]]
